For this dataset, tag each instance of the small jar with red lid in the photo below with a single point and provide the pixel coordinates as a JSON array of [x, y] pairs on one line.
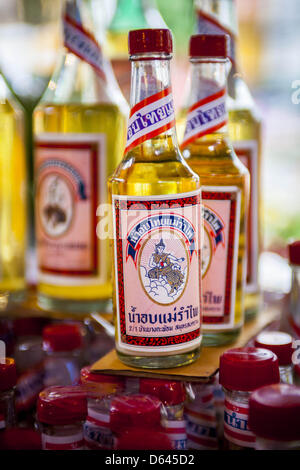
[[134, 413], [8, 380], [294, 260], [61, 412], [274, 417], [281, 344], [172, 394], [63, 346], [100, 390], [201, 417], [243, 370]]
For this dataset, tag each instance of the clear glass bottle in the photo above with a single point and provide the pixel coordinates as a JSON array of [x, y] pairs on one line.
[[8, 380], [244, 126], [294, 313], [225, 187], [243, 370], [61, 412], [274, 416], [281, 344], [79, 135], [172, 395], [13, 197], [157, 278]]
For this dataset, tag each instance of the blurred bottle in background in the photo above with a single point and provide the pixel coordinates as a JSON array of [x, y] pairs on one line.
[[12, 197], [79, 132]]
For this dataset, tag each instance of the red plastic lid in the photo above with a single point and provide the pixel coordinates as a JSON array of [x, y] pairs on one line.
[[294, 253], [62, 337], [142, 41], [246, 369], [274, 412], [87, 375], [132, 411], [8, 374], [210, 45], [168, 391], [279, 343], [20, 439], [141, 439], [62, 405], [30, 326]]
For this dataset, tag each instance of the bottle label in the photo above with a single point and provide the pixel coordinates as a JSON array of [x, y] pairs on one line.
[[248, 154], [80, 42], [71, 183], [28, 387], [210, 24], [70, 442], [236, 428], [157, 265], [150, 118], [221, 215], [205, 117], [97, 432], [201, 426], [176, 432], [2, 421]]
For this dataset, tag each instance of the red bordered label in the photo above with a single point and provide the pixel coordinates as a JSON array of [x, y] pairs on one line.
[[201, 426], [150, 118], [157, 265], [71, 182], [247, 152], [71, 442], [205, 117], [176, 432], [97, 432], [221, 215], [236, 429]]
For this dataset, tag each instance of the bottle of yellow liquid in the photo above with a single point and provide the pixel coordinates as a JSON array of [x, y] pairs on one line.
[[12, 197], [224, 185], [219, 16], [79, 135], [156, 219]]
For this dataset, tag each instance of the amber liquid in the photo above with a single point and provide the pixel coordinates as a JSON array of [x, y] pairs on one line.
[[82, 118]]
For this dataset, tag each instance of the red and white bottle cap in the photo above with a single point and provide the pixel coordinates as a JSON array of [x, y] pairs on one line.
[[210, 45], [294, 253], [152, 41], [279, 343], [169, 392], [274, 412], [245, 369], [101, 382], [8, 374], [61, 405], [134, 411], [62, 337]]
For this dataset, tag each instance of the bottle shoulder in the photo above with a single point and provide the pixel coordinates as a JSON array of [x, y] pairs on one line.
[[240, 99]]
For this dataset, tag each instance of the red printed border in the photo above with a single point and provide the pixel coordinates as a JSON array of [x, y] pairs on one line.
[[228, 196]]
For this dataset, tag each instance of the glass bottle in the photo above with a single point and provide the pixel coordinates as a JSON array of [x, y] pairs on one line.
[[243, 370], [157, 282], [274, 416], [129, 14], [79, 134], [12, 197], [225, 185], [244, 126], [8, 380]]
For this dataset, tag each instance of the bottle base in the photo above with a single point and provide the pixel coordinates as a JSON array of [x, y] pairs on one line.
[[74, 306], [160, 362], [220, 338]]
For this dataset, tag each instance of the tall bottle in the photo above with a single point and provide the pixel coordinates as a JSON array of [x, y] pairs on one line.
[[79, 134], [225, 186], [156, 218], [12, 197], [219, 16], [129, 14]]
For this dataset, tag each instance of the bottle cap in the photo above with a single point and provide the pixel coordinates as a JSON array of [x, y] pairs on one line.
[[8, 374], [245, 369], [141, 439], [294, 253], [143, 41], [274, 412], [210, 45], [134, 411], [168, 391], [62, 337], [62, 405], [101, 383], [279, 343]]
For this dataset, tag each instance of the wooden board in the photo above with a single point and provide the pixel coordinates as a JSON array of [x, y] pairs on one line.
[[202, 369]]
